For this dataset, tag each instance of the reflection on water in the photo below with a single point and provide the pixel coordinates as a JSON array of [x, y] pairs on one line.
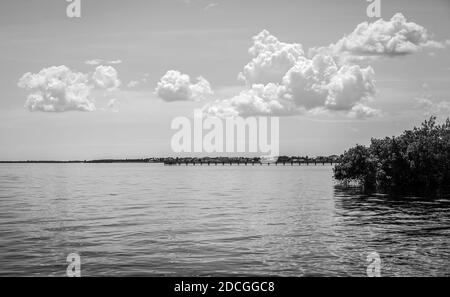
[[140, 219], [410, 233]]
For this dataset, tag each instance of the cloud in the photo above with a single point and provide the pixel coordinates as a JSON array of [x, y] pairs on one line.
[[136, 83], [133, 84], [106, 77], [210, 5], [94, 62], [271, 59], [175, 86], [283, 81], [361, 111], [395, 37], [321, 82], [97, 62], [431, 107], [57, 89], [115, 62], [258, 100]]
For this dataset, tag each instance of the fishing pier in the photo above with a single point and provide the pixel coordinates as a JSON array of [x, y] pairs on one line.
[[248, 163]]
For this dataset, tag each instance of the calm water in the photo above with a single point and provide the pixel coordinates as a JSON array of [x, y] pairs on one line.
[[142, 219]]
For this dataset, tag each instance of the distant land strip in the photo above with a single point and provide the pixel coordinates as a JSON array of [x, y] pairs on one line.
[[191, 160]]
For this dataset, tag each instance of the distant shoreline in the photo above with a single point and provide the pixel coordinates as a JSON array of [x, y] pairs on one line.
[[78, 161], [169, 160]]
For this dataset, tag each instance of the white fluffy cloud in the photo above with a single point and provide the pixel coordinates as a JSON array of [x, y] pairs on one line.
[[386, 38], [283, 81], [321, 83], [271, 59], [59, 89], [106, 77], [361, 111], [175, 86], [258, 100]]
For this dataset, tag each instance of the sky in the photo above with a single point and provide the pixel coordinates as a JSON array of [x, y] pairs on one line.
[[109, 84]]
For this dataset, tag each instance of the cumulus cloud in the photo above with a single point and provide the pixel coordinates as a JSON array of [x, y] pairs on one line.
[[57, 89], [271, 59], [106, 77], [258, 100], [175, 86], [321, 82], [282, 80], [361, 111], [391, 38]]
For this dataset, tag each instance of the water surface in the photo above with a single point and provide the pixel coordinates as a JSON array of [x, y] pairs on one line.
[[153, 220]]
